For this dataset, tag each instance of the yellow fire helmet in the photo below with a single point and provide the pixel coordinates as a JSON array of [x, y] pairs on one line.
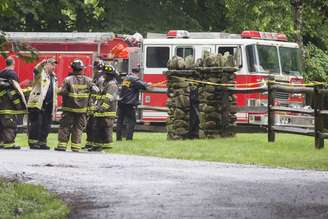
[[108, 69]]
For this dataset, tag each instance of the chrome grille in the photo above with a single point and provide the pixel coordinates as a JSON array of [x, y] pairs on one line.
[[281, 96]]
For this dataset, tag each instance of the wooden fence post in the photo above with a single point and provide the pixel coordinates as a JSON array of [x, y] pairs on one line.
[[318, 119], [271, 133]]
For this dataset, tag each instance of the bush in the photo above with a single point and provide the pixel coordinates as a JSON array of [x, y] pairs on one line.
[[316, 64]]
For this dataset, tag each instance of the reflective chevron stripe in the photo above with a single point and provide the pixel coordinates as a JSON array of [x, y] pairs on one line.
[[79, 110], [105, 114]]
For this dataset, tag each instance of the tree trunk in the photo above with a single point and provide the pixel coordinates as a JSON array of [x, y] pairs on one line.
[[298, 24]]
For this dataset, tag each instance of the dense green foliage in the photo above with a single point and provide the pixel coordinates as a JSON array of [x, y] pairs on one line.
[[292, 151], [27, 201], [304, 21], [128, 16], [316, 64]]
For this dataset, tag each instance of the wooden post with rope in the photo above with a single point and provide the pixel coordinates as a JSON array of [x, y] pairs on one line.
[[318, 118], [271, 114]]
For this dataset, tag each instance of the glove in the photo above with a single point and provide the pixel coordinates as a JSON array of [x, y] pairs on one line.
[[95, 89]]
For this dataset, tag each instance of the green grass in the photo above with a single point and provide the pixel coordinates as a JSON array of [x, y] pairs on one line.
[[292, 151], [33, 201]]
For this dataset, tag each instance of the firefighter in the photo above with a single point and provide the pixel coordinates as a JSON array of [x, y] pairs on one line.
[[128, 101], [75, 92], [90, 129], [12, 104], [42, 104], [105, 109]]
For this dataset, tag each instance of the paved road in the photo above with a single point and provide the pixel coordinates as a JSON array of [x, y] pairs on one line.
[[118, 186]]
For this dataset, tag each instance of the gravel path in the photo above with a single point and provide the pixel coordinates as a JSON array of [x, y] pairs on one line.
[[118, 186]]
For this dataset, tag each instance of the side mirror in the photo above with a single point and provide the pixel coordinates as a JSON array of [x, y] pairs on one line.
[[237, 57]]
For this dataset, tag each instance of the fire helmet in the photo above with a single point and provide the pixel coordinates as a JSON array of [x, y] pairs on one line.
[[77, 65], [98, 64], [108, 69]]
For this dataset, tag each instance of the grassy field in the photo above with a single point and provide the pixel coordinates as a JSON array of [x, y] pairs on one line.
[[27, 201], [290, 151]]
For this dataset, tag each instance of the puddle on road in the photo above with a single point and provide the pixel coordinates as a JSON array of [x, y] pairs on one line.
[[112, 166], [54, 165]]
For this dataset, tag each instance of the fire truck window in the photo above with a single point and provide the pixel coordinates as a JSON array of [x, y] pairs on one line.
[[184, 52], [125, 66], [290, 60], [230, 49], [157, 57], [268, 58], [250, 53]]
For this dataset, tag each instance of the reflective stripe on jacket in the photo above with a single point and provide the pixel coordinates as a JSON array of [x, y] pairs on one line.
[[40, 88], [75, 92], [12, 100], [106, 100]]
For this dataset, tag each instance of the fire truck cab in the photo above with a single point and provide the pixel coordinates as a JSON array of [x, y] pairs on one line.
[[259, 54]]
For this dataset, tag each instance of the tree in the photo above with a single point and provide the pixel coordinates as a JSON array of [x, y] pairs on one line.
[[127, 16], [7, 45], [210, 14], [259, 15], [316, 64]]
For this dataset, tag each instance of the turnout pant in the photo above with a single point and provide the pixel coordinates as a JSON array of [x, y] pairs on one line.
[[103, 132], [128, 112], [71, 126], [39, 123], [8, 128], [90, 130]]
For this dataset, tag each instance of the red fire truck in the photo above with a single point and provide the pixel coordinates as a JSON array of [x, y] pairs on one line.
[[65, 47], [260, 55]]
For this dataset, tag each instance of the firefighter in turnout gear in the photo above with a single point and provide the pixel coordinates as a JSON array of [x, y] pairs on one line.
[[75, 92], [127, 104], [105, 112], [90, 129], [42, 104], [12, 104]]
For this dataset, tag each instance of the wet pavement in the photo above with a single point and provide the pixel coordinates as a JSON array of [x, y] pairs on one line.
[[99, 185]]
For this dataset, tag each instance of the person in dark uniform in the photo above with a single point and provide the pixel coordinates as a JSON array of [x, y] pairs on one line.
[[8, 72], [12, 104], [127, 104], [42, 104]]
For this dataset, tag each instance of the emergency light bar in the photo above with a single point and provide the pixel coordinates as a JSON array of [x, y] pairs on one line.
[[178, 34], [250, 34]]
